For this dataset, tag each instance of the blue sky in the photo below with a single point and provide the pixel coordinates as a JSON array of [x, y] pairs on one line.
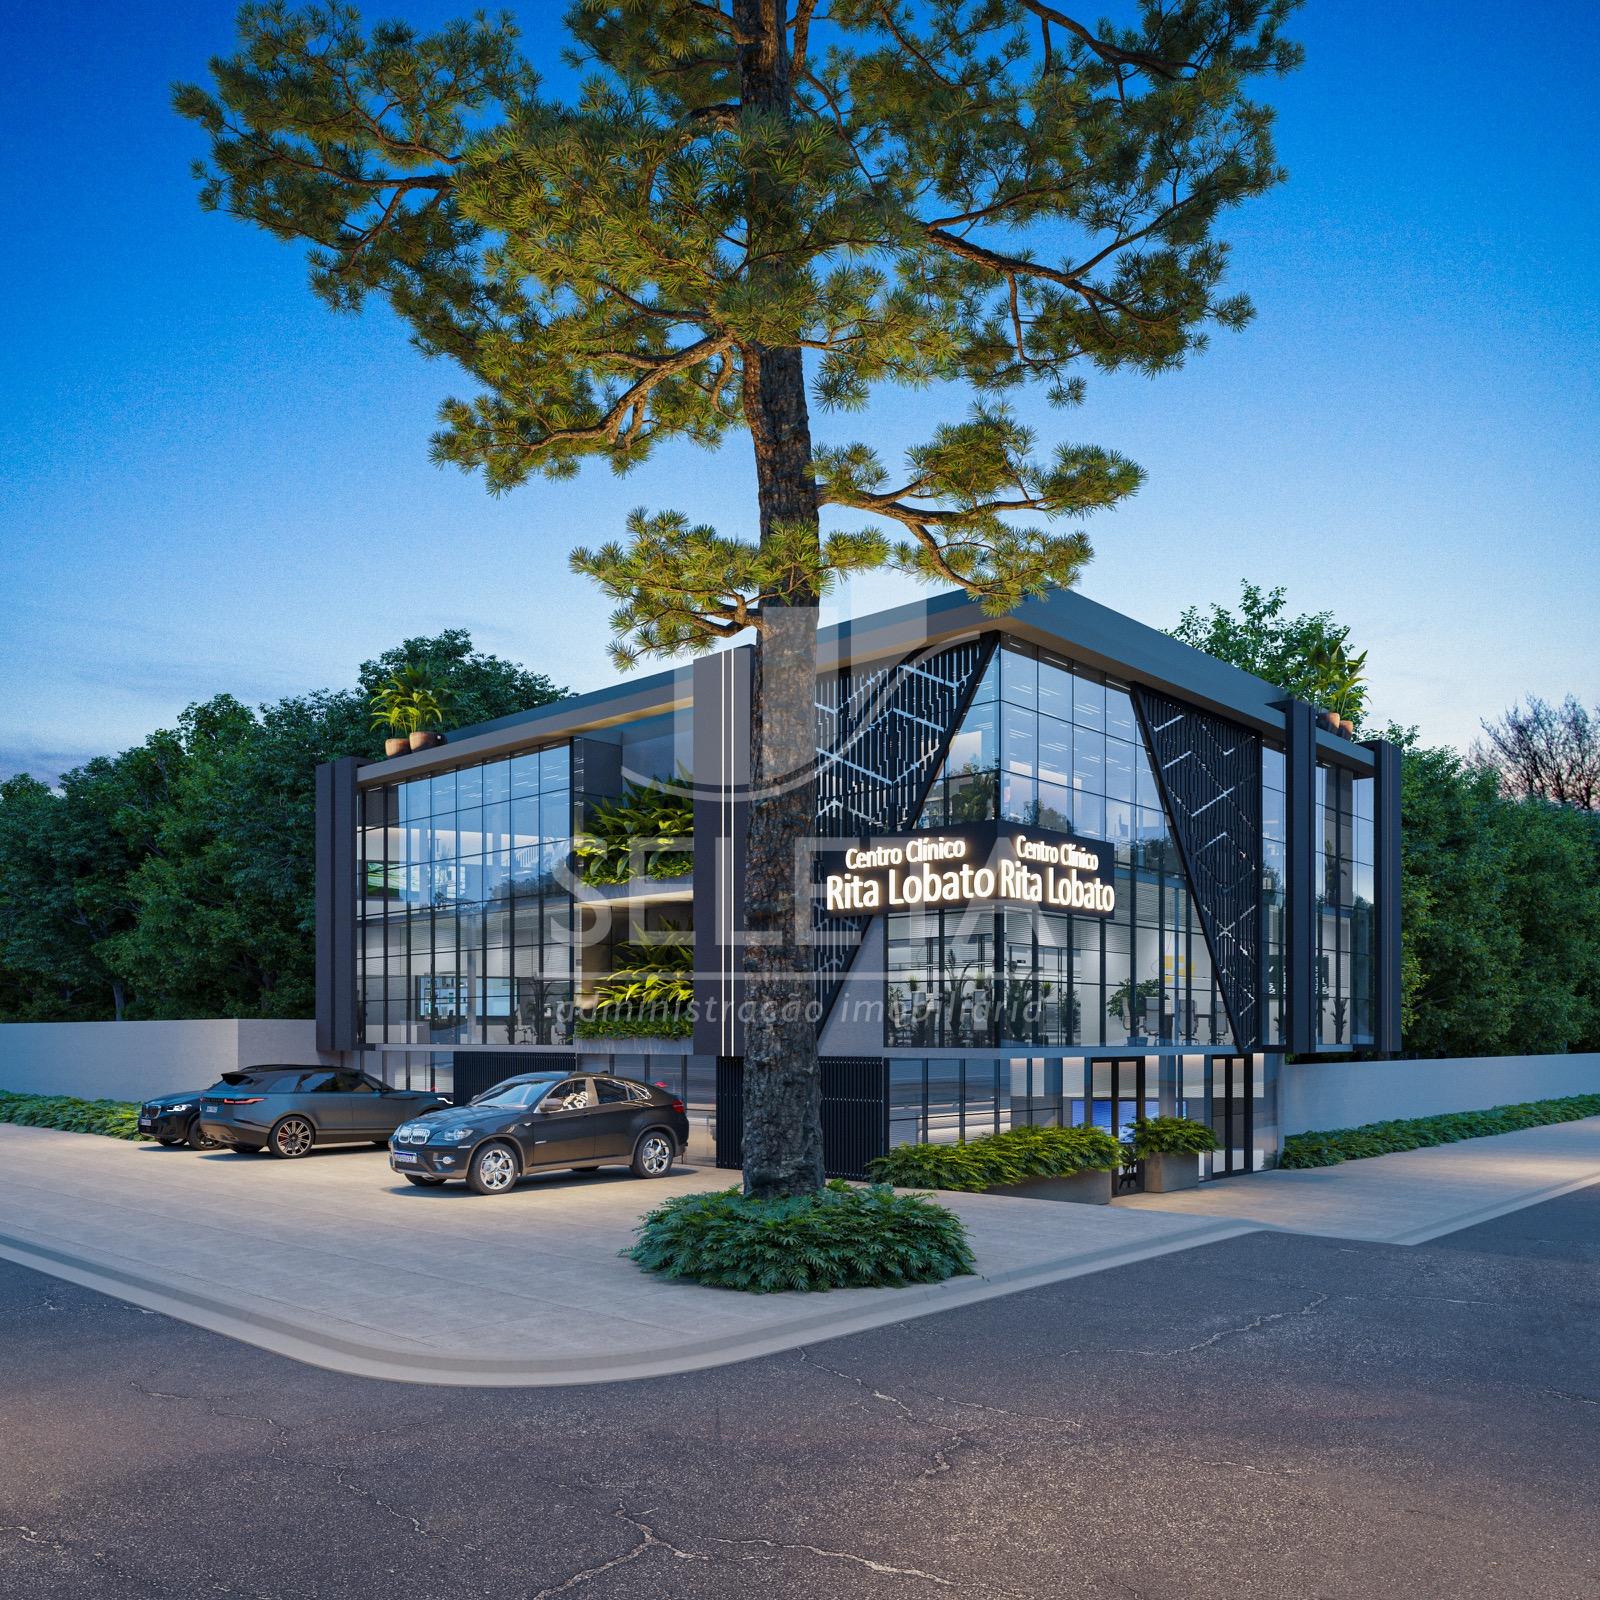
[[214, 484]]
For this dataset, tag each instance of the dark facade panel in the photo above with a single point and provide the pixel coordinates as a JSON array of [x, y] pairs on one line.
[[1386, 897], [1209, 770], [882, 736], [720, 731], [1300, 898], [337, 844]]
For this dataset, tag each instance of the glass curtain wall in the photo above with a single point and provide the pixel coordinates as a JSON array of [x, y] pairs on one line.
[[465, 908], [1344, 873], [1274, 881], [1057, 746]]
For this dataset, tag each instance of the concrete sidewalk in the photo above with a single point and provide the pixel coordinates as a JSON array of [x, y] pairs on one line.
[[1406, 1198], [335, 1261]]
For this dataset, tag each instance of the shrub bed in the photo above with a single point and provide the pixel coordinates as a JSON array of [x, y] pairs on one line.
[[1170, 1136], [999, 1158], [842, 1238], [116, 1119], [1417, 1133]]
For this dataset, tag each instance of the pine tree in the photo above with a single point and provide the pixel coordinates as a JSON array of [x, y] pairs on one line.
[[749, 205]]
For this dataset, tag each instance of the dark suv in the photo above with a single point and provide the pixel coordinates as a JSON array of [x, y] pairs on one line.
[[290, 1110], [173, 1119], [539, 1121]]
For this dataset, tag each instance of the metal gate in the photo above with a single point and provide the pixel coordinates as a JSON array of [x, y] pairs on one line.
[[855, 1113]]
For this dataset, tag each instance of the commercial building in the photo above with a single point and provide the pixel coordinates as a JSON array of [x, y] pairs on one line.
[[1065, 868]]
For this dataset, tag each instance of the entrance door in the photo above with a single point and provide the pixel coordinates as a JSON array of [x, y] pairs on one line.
[[1232, 1100]]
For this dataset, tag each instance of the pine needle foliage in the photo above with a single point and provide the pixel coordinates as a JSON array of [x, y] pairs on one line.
[[115, 1119], [839, 1238], [1418, 1133], [994, 1159]]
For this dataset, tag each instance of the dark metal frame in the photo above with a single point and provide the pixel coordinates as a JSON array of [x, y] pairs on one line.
[[855, 1113]]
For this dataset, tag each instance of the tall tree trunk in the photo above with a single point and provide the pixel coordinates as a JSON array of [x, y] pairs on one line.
[[782, 1099]]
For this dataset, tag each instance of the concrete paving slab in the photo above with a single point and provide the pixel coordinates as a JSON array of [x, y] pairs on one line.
[[332, 1261], [1405, 1198]]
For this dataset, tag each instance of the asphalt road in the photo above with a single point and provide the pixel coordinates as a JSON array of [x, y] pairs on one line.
[[1269, 1416]]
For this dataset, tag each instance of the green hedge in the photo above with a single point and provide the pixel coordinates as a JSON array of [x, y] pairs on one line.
[[1417, 1133], [1170, 1136], [997, 1158], [116, 1119], [607, 1026], [842, 1238]]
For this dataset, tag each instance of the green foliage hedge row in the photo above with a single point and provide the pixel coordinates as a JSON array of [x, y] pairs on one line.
[[1417, 1133], [607, 1025], [998, 1158], [842, 1238], [116, 1119], [1170, 1136]]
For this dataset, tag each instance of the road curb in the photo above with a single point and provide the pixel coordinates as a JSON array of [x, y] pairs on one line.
[[316, 1347]]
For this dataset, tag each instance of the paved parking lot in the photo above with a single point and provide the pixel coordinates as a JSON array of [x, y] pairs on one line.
[[337, 1261]]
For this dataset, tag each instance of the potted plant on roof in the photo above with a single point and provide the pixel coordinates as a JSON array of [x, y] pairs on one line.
[[1168, 1150], [413, 701]]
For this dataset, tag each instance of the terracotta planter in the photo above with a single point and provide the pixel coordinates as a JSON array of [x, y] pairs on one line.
[[425, 739], [1165, 1174], [1083, 1188], [396, 747]]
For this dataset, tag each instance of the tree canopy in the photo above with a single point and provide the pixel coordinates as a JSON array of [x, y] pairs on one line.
[[177, 879]]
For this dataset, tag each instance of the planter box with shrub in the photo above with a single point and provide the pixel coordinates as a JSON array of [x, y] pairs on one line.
[[1168, 1150], [1036, 1163]]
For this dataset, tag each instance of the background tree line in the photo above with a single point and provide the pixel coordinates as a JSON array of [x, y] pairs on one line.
[[1500, 875], [177, 878]]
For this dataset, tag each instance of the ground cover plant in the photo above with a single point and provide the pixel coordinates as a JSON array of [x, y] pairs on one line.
[[1014, 1156], [116, 1119], [1417, 1133], [839, 1238]]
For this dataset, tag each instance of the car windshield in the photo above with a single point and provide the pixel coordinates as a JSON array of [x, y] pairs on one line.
[[518, 1094]]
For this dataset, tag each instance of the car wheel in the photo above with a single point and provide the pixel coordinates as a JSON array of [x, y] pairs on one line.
[[292, 1138], [654, 1154], [169, 1142], [245, 1149], [197, 1140], [494, 1170], [422, 1181]]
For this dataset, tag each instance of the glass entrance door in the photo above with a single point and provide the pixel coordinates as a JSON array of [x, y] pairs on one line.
[[1232, 1106]]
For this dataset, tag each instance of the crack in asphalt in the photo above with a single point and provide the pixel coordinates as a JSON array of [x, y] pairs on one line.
[[213, 1406], [651, 1539]]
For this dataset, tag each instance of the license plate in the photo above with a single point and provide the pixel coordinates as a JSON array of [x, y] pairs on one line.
[[147, 1122], [404, 1158], [211, 1107]]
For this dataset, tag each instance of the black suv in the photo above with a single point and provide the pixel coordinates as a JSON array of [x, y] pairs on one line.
[[172, 1119], [289, 1110], [539, 1121]]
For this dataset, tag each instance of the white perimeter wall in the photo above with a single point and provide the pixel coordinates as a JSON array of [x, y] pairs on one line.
[[136, 1060], [1319, 1096]]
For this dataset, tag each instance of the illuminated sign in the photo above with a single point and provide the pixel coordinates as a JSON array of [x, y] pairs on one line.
[[1007, 863]]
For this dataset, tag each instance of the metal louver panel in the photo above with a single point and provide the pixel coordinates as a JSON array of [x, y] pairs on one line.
[[881, 737], [1210, 775]]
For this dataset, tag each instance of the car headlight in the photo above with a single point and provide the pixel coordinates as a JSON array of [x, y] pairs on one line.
[[188, 1105], [451, 1136]]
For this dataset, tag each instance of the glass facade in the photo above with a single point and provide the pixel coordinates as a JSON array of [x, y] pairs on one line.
[[1274, 889], [1346, 957], [465, 905], [1059, 746]]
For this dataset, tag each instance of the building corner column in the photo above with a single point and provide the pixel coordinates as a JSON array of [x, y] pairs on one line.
[[1386, 838], [337, 857], [1300, 900]]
